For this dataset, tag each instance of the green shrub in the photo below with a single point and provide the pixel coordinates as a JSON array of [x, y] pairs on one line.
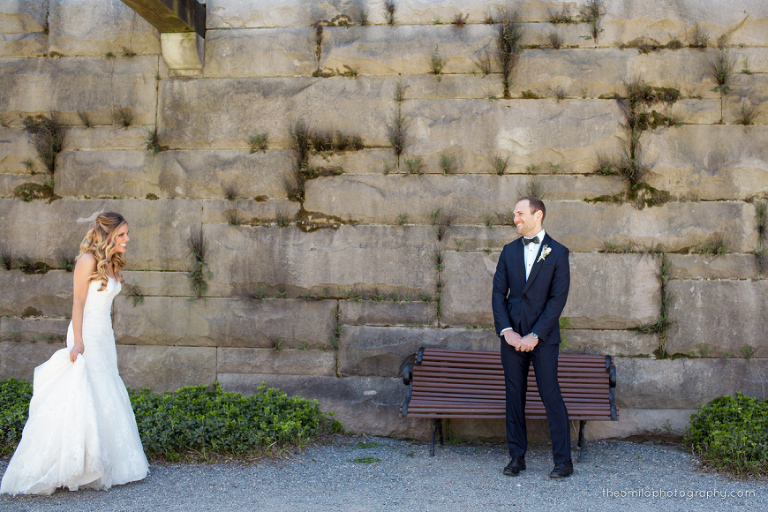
[[194, 419], [14, 408], [731, 434]]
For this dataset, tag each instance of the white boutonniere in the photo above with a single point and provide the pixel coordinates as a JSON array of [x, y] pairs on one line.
[[544, 253]]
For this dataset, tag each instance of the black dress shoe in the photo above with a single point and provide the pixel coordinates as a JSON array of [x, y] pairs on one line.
[[562, 470], [515, 466]]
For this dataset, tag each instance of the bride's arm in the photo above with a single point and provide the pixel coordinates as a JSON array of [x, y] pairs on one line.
[[84, 268]]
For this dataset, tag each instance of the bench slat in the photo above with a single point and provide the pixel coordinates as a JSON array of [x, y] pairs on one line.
[[469, 384]]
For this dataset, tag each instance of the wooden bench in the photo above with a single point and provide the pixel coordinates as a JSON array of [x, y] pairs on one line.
[[469, 384]]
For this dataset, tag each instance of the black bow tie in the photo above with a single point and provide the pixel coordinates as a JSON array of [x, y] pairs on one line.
[[533, 240]]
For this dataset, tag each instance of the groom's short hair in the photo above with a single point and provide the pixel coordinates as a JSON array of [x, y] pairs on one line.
[[536, 204]]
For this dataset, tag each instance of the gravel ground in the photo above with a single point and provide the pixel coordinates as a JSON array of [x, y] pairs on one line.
[[405, 477]]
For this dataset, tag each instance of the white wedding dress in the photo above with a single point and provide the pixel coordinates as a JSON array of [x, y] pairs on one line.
[[81, 430]]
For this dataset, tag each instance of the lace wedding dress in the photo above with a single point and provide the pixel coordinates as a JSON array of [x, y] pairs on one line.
[[81, 430]]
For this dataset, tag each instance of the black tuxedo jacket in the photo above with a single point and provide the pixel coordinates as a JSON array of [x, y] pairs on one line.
[[534, 305]]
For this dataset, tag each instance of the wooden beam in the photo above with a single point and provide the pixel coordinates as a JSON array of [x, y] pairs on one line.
[[171, 15]]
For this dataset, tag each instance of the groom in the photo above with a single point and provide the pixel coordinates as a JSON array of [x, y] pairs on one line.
[[530, 288]]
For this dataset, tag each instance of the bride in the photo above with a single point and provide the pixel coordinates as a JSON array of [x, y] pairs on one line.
[[81, 430]]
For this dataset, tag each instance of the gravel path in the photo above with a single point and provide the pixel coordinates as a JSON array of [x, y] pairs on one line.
[[458, 478]]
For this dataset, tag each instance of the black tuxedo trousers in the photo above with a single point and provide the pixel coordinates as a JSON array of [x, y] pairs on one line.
[[516, 364]]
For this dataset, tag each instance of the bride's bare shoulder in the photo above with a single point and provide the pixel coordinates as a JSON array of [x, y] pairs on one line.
[[86, 263]]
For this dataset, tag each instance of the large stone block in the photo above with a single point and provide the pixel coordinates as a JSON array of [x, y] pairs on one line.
[[105, 138], [172, 174], [678, 227], [405, 49], [528, 132], [157, 284], [95, 27], [281, 52], [719, 318], [23, 16], [686, 383], [381, 351], [19, 359], [23, 45], [16, 151], [655, 423], [350, 259], [367, 405], [386, 313], [223, 113], [253, 212], [159, 229], [584, 227], [586, 72], [166, 368], [379, 199], [367, 161], [607, 291], [34, 329], [221, 322], [612, 342], [743, 21], [709, 162], [269, 360], [9, 182], [47, 294], [279, 13], [96, 87], [707, 266]]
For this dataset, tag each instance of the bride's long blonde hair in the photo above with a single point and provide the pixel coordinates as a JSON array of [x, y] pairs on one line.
[[100, 241]]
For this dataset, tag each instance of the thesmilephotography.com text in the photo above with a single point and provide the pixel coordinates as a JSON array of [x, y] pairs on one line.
[[677, 493]]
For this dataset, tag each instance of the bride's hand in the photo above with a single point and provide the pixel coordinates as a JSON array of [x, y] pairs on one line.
[[79, 348]]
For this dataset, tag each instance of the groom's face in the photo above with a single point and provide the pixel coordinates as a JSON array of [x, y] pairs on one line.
[[528, 223]]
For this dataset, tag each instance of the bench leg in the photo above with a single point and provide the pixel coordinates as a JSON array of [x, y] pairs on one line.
[[581, 438], [438, 427]]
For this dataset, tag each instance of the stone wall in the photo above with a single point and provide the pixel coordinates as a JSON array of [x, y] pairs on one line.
[[324, 291]]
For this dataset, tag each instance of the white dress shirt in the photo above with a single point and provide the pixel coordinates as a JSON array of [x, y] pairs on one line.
[[530, 252]]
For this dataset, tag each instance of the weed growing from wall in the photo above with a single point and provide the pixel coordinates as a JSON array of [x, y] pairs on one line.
[[591, 14], [47, 137], [436, 63], [397, 130], [124, 117], [698, 38], [448, 164], [721, 71], [231, 190], [200, 274], [484, 63], [555, 40], [500, 165], [747, 114], [152, 142], [389, 8], [761, 215], [415, 165], [337, 327], [662, 324], [233, 217], [460, 20], [441, 220], [508, 48], [439, 259], [716, 246], [258, 142], [66, 262], [85, 120], [134, 292], [564, 16]]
